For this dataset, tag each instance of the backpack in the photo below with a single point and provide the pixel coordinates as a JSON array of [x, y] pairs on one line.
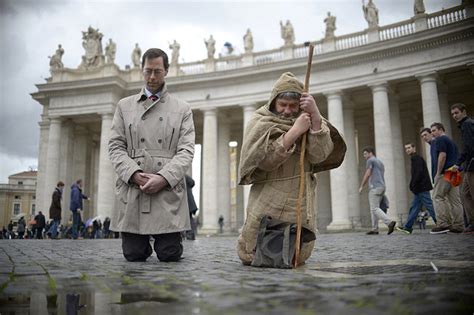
[[276, 240]]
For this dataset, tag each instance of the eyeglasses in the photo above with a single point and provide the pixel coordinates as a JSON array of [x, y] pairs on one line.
[[149, 72]]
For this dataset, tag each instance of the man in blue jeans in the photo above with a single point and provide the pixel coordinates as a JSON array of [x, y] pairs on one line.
[[76, 206], [420, 186], [55, 210]]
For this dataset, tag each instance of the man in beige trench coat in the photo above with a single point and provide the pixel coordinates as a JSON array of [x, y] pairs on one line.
[[151, 147], [270, 161]]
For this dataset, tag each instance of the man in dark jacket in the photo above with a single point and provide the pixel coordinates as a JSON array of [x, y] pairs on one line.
[[420, 186], [466, 161], [55, 210], [76, 206], [191, 234], [40, 224]]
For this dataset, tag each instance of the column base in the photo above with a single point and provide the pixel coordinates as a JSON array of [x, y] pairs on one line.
[[339, 225]]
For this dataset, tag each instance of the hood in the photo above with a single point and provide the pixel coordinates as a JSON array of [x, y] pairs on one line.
[[286, 83]]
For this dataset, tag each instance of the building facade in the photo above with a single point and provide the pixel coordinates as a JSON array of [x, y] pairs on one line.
[[378, 87], [18, 197]]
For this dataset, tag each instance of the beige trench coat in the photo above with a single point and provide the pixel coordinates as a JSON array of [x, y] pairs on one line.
[[154, 137]]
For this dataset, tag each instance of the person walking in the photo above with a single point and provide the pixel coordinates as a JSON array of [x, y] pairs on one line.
[[55, 210], [374, 175], [420, 186], [447, 200], [76, 206], [466, 162], [151, 147], [39, 226], [21, 228]]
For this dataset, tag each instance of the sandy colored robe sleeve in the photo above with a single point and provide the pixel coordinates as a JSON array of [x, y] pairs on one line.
[[319, 144]]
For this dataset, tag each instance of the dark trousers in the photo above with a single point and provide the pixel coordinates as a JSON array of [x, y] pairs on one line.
[[137, 247]]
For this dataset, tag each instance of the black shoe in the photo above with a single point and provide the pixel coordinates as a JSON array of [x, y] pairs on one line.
[[457, 231], [372, 233], [391, 227]]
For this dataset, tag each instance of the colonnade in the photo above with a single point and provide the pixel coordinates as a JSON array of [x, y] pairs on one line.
[[344, 181]]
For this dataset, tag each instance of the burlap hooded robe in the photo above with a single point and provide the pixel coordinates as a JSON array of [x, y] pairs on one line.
[[274, 172]]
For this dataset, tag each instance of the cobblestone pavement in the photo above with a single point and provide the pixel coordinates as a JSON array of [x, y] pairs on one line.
[[348, 273]]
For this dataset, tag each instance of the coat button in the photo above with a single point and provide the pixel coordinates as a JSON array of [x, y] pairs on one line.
[[159, 141], [142, 139], [161, 118], [159, 163], [139, 162]]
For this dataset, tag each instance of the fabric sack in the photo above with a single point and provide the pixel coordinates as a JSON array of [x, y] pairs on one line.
[[276, 240]]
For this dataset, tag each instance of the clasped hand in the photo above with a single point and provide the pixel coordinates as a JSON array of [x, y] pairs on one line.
[[149, 183]]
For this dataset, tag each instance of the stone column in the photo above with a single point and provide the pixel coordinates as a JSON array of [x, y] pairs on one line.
[[209, 171], [339, 193], [107, 177], [53, 156], [42, 194], [248, 110], [351, 164], [398, 155], [430, 105], [384, 141], [223, 178], [444, 109]]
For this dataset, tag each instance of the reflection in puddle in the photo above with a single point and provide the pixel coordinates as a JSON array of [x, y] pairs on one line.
[[93, 302]]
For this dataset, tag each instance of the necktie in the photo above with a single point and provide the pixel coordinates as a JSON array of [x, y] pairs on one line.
[[153, 97]]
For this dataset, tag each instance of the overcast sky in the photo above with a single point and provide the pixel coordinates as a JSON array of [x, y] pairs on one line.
[[31, 30]]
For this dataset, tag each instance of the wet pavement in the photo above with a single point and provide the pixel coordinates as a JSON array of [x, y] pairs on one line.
[[348, 273]]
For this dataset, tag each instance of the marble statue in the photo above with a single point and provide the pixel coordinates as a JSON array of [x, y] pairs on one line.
[[330, 25], [371, 14], [419, 7], [248, 41], [110, 51], [174, 52], [211, 47], [287, 33], [92, 43], [136, 55], [55, 62]]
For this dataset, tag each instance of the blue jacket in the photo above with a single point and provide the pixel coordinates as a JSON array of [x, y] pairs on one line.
[[76, 198]]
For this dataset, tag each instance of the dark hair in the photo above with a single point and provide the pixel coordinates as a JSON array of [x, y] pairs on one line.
[[459, 106], [60, 184], [79, 181], [410, 144], [438, 126], [369, 150], [153, 53], [428, 130]]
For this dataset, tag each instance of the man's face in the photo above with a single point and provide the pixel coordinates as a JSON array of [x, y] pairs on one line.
[[426, 136], [287, 107], [154, 74], [457, 114], [409, 149], [435, 132], [366, 155]]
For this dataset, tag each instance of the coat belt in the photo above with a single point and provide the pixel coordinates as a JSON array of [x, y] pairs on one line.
[[138, 153]]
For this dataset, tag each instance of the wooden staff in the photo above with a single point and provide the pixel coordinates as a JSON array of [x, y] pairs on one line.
[[302, 175]]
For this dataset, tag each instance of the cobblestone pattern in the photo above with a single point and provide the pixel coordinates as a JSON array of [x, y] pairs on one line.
[[348, 273]]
